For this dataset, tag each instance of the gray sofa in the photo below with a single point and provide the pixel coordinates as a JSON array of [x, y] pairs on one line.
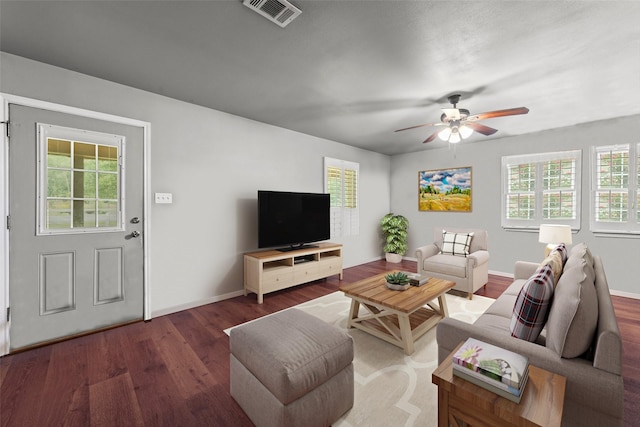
[[581, 315]]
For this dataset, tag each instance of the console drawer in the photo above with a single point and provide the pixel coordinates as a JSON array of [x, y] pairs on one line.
[[306, 272], [276, 279], [329, 267]]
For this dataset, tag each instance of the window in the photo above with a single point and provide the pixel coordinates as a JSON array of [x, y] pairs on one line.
[[341, 182], [615, 189], [79, 181], [541, 188]]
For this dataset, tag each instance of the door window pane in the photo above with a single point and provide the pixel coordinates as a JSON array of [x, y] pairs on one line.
[[80, 184], [84, 185], [58, 214], [107, 158], [59, 153], [59, 183], [84, 156], [107, 214], [84, 213], [107, 186]]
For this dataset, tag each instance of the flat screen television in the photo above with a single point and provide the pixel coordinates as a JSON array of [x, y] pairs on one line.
[[292, 219]]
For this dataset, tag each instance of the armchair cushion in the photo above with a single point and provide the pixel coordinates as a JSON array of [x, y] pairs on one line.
[[446, 264], [456, 243]]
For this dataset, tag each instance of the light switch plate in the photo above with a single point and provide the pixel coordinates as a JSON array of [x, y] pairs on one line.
[[164, 198]]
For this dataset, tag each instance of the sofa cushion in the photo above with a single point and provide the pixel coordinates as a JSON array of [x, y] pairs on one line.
[[503, 306], [456, 243], [493, 323], [514, 289], [574, 315], [532, 305]]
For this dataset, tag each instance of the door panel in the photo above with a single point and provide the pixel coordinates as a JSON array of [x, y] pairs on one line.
[[74, 265], [56, 284]]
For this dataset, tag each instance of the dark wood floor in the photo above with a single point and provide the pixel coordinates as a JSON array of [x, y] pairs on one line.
[[174, 370]]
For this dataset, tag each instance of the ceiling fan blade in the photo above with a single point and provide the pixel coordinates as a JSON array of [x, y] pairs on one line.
[[452, 113], [499, 113], [432, 137], [480, 128], [419, 126]]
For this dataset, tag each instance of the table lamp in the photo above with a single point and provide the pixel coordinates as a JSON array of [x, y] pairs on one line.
[[553, 235]]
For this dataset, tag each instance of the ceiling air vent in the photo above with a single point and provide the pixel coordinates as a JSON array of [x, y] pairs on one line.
[[279, 11]]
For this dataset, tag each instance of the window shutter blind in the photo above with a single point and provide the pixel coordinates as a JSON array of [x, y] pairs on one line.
[[341, 182], [615, 193], [539, 188]]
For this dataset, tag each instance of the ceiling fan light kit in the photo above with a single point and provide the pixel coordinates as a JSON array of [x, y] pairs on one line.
[[461, 125]]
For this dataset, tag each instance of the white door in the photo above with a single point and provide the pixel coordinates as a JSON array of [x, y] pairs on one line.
[[75, 226]]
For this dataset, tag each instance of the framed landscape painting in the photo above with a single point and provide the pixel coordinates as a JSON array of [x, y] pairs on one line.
[[445, 190]]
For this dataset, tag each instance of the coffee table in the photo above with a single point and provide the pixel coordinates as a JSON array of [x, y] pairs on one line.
[[398, 317]]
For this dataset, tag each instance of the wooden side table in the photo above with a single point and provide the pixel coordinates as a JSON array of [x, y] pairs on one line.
[[460, 400]]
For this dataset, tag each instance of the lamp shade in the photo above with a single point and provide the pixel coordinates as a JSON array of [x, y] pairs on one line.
[[554, 234]]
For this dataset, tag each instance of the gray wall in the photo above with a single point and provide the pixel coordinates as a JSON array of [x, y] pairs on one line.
[[621, 255], [213, 163]]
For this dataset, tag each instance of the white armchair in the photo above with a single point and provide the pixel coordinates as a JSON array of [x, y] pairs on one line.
[[470, 272]]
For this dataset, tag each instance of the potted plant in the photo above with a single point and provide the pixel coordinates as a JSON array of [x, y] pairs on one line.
[[397, 281], [394, 228]]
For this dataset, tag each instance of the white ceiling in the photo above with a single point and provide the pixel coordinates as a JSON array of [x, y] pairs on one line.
[[353, 71]]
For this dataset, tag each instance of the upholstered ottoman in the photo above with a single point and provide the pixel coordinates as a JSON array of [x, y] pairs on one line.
[[291, 369]]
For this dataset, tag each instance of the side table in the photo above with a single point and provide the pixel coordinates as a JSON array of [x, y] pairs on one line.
[[460, 400]]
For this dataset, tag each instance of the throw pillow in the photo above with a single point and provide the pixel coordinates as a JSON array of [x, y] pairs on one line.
[[554, 260], [532, 305], [562, 250], [456, 243], [578, 253], [574, 315]]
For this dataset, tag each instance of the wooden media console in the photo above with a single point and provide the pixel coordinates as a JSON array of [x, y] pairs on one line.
[[272, 270]]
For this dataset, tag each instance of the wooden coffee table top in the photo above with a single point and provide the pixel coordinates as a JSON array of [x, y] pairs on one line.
[[375, 290]]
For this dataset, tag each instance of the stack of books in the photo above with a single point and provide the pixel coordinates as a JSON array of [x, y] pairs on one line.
[[415, 279], [498, 370]]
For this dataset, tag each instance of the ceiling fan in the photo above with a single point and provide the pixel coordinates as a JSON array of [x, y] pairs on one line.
[[460, 124]]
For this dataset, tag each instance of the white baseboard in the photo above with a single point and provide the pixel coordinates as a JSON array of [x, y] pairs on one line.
[[501, 273], [193, 304], [624, 294]]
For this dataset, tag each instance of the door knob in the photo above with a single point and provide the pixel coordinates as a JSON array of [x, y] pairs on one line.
[[135, 233]]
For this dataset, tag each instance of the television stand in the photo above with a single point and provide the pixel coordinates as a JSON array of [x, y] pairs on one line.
[[273, 270]]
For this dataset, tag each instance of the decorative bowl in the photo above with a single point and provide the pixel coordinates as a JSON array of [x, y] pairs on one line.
[[398, 287]]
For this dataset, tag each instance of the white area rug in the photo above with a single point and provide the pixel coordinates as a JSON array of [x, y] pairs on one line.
[[391, 388]]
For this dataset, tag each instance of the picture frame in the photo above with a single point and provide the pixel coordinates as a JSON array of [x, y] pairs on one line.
[[445, 190]]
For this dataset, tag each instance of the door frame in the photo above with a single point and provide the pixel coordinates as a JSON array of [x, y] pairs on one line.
[[5, 100]]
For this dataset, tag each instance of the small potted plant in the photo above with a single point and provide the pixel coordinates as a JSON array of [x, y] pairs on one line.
[[394, 228], [397, 281]]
